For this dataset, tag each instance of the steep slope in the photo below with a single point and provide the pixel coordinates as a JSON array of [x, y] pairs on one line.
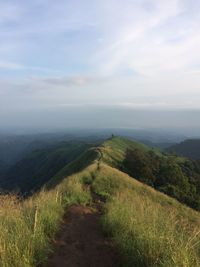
[[14, 148], [90, 156], [114, 149], [148, 227], [189, 148], [111, 151], [36, 169], [176, 176]]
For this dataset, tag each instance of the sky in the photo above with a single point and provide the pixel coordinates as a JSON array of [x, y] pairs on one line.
[[101, 57]]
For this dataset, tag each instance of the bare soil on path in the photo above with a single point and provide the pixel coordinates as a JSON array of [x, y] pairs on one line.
[[81, 242]]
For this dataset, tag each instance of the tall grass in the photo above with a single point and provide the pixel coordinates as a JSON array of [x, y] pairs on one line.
[[150, 235], [27, 227], [149, 228]]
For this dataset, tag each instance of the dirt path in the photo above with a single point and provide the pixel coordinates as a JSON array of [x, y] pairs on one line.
[[81, 242]]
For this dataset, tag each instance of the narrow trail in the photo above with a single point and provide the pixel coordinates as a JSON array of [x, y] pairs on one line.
[[81, 242]]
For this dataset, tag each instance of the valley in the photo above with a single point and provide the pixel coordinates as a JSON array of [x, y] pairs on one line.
[[143, 226]]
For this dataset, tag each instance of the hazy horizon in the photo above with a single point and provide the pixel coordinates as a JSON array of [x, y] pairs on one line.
[[180, 122], [96, 64]]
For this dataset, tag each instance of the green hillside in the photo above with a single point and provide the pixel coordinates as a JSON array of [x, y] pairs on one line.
[[148, 227], [114, 149], [37, 168], [189, 148], [80, 163], [176, 176]]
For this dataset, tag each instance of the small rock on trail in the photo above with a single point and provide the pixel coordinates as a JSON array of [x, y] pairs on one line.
[[80, 242]]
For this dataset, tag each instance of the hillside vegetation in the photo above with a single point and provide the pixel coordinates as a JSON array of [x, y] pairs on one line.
[[176, 176], [189, 148], [148, 227], [32, 172], [114, 150], [27, 227]]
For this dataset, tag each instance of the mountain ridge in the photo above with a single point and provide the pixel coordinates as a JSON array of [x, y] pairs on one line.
[[147, 227], [188, 148], [152, 167]]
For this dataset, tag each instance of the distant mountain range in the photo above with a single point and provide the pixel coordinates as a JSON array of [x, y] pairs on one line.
[[189, 148], [174, 175], [14, 147]]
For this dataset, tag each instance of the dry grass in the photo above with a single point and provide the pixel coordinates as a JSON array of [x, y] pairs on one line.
[[26, 227], [150, 228], [149, 234]]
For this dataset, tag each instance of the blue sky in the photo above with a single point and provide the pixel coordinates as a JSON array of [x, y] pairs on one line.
[[122, 53]]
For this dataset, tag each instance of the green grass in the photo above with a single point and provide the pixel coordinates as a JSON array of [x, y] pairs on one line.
[[82, 162], [147, 234], [25, 239], [120, 143], [114, 149], [37, 168], [148, 227]]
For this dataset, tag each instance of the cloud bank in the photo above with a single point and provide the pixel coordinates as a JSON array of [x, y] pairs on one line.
[[131, 54]]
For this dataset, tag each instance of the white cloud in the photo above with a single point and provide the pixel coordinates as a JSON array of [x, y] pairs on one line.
[[152, 42], [118, 52], [10, 65]]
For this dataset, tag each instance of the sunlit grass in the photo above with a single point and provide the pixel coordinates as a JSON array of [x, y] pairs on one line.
[[27, 227], [147, 234], [149, 228]]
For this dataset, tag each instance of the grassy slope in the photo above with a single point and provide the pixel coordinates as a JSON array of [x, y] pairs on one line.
[[114, 149], [111, 152], [149, 228], [87, 158], [36, 169], [25, 235]]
